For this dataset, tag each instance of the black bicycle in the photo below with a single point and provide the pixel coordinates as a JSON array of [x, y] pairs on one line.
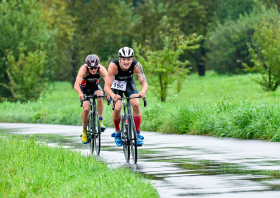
[[93, 126], [128, 129]]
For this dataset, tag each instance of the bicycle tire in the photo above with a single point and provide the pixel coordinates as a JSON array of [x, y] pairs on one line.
[[90, 133], [126, 148], [97, 134], [132, 138]]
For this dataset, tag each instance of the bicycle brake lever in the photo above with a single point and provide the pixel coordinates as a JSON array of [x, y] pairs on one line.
[[145, 102], [114, 103]]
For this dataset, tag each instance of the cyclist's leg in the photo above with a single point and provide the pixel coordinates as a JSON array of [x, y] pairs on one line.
[[116, 115], [85, 116], [100, 106]]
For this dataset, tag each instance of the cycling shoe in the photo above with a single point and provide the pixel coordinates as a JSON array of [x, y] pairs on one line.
[[140, 140]]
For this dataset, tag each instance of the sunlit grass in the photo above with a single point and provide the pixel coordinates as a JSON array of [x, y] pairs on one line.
[[223, 106], [32, 169]]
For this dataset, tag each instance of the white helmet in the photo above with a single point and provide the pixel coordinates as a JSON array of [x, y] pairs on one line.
[[126, 52]]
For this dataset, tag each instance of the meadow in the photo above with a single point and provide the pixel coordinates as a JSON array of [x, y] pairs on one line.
[[216, 105], [29, 168]]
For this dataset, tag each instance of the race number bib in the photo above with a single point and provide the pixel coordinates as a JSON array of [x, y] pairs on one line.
[[119, 85]]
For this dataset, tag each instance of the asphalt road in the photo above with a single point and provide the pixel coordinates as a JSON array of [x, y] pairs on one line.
[[183, 165]]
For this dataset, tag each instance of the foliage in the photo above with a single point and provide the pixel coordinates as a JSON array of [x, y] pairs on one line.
[[26, 80], [227, 44], [266, 56], [102, 27], [188, 16], [23, 34], [232, 9], [55, 14], [164, 65]]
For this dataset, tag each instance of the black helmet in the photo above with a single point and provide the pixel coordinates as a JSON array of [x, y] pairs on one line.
[[92, 60]]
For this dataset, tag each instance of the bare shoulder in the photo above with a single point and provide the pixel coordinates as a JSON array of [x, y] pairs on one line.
[[102, 68], [82, 70], [112, 68]]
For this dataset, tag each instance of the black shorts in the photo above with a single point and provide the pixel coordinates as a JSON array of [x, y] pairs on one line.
[[130, 89], [90, 91]]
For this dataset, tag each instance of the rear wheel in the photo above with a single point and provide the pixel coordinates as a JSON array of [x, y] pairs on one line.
[[126, 148], [97, 134], [132, 138]]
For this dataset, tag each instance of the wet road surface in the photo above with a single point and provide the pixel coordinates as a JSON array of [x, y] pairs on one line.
[[183, 165]]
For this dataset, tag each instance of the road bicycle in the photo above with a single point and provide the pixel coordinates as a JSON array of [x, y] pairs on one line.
[[93, 126], [128, 129]]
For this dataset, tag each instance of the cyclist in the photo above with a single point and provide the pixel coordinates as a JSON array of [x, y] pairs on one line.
[[87, 82], [120, 78]]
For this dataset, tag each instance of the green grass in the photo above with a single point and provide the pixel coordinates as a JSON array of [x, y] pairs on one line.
[[29, 168], [221, 106]]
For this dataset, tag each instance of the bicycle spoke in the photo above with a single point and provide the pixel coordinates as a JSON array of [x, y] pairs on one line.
[[97, 134], [91, 142], [133, 139], [126, 149]]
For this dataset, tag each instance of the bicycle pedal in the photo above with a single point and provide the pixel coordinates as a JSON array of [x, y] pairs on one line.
[[139, 145], [102, 130]]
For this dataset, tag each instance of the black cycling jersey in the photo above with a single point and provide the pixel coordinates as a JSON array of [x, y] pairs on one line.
[[90, 83], [126, 76]]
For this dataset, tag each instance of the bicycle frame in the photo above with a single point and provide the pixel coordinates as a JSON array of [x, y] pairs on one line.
[[128, 129], [93, 126]]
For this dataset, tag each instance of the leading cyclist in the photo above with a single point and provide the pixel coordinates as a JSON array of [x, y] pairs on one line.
[[120, 77], [87, 82]]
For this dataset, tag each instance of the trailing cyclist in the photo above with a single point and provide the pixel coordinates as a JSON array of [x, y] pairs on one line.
[[87, 82], [120, 80]]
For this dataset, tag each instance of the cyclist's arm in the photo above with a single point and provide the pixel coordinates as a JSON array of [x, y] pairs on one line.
[[78, 82], [142, 79], [112, 69], [103, 72]]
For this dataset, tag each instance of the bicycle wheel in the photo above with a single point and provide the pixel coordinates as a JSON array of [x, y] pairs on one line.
[[90, 134], [126, 149], [96, 134], [132, 138]]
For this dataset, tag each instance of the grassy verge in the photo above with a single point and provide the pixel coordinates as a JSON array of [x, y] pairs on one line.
[[32, 169], [214, 105]]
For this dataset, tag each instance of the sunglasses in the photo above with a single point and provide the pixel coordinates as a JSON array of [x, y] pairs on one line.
[[93, 68]]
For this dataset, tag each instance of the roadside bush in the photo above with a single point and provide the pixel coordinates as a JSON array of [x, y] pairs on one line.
[[25, 50], [227, 43], [265, 55]]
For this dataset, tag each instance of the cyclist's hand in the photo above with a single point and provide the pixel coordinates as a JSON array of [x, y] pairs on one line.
[[108, 97], [81, 97], [116, 97], [141, 94]]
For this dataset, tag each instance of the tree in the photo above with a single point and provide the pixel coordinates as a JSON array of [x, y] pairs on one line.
[[265, 56], [189, 16], [164, 65], [26, 80], [56, 17], [24, 37], [102, 27]]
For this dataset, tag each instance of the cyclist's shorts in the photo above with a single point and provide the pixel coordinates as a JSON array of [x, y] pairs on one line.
[[130, 89], [90, 91]]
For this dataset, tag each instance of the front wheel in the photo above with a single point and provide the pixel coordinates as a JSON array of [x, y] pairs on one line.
[[97, 134], [90, 134], [125, 140], [132, 138]]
